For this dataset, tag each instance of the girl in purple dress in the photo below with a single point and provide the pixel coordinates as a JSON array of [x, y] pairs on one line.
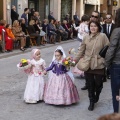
[[60, 89]]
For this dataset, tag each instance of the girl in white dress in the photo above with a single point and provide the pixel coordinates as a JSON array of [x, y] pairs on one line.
[[35, 84]]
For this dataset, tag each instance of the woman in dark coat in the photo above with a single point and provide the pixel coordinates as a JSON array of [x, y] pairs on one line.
[[24, 29]]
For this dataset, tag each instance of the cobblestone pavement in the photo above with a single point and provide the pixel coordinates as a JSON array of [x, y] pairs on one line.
[[12, 85]]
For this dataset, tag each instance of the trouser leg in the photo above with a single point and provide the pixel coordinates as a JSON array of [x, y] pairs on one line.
[[27, 41], [91, 86], [98, 86], [115, 85], [91, 89]]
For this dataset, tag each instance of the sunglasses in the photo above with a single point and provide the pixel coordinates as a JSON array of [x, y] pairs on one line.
[[94, 16]]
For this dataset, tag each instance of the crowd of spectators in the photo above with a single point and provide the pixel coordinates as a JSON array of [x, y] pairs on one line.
[[28, 29]]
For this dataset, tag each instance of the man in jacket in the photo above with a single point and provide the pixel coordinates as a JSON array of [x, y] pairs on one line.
[[14, 14], [76, 19], [108, 28], [24, 15], [50, 16]]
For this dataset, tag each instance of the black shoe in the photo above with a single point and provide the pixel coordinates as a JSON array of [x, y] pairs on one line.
[[84, 88], [91, 106], [22, 49], [96, 99]]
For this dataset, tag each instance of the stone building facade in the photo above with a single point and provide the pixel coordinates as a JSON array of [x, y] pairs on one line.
[[59, 7], [106, 6]]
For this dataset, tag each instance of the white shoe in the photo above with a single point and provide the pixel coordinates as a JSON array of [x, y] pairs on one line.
[[31, 101]]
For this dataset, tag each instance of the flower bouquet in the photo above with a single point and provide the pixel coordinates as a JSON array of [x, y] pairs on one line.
[[68, 62], [24, 64]]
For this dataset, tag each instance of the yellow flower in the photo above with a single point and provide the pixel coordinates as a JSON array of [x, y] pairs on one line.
[[66, 62], [23, 60]]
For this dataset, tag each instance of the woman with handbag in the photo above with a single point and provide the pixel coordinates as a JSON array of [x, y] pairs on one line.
[[91, 62]]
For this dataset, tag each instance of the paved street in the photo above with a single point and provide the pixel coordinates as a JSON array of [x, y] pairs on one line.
[[12, 85]]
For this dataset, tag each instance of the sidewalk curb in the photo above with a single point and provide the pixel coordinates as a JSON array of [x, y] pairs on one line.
[[18, 52]]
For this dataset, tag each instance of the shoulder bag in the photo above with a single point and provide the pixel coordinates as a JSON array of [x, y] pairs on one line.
[[84, 63]]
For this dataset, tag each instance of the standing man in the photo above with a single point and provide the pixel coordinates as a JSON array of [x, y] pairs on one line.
[[67, 18], [76, 19], [108, 28], [50, 16], [24, 15], [14, 14], [95, 16]]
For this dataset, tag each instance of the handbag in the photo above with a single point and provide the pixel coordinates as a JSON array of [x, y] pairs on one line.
[[84, 63], [103, 52]]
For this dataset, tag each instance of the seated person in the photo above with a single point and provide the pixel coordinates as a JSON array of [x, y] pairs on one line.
[[52, 31], [33, 33], [8, 40], [67, 29], [24, 29], [38, 28], [63, 33], [45, 25], [19, 34], [9, 32]]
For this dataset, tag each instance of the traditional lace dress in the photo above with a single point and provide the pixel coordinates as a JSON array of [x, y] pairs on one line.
[[60, 89], [35, 84]]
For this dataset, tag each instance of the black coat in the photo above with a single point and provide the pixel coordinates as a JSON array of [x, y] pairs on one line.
[[105, 30], [14, 15], [24, 28], [31, 29], [50, 17], [76, 19], [36, 28]]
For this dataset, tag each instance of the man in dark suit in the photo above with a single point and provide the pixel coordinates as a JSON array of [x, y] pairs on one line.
[[50, 16], [14, 14], [76, 19], [108, 27]]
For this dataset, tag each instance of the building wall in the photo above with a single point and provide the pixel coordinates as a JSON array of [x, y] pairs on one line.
[[89, 9], [104, 8], [21, 5], [1, 9], [58, 7], [42, 9], [66, 8]]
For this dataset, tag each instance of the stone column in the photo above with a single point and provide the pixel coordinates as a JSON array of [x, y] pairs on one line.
[[55, 7], [82, 8], [4, 9], [73, 7]]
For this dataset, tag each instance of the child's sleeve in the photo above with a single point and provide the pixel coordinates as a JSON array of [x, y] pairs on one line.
[[44, 65], [86, 29], [50, 67]]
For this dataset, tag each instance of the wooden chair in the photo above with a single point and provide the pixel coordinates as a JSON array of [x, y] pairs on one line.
[[32, 39]]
